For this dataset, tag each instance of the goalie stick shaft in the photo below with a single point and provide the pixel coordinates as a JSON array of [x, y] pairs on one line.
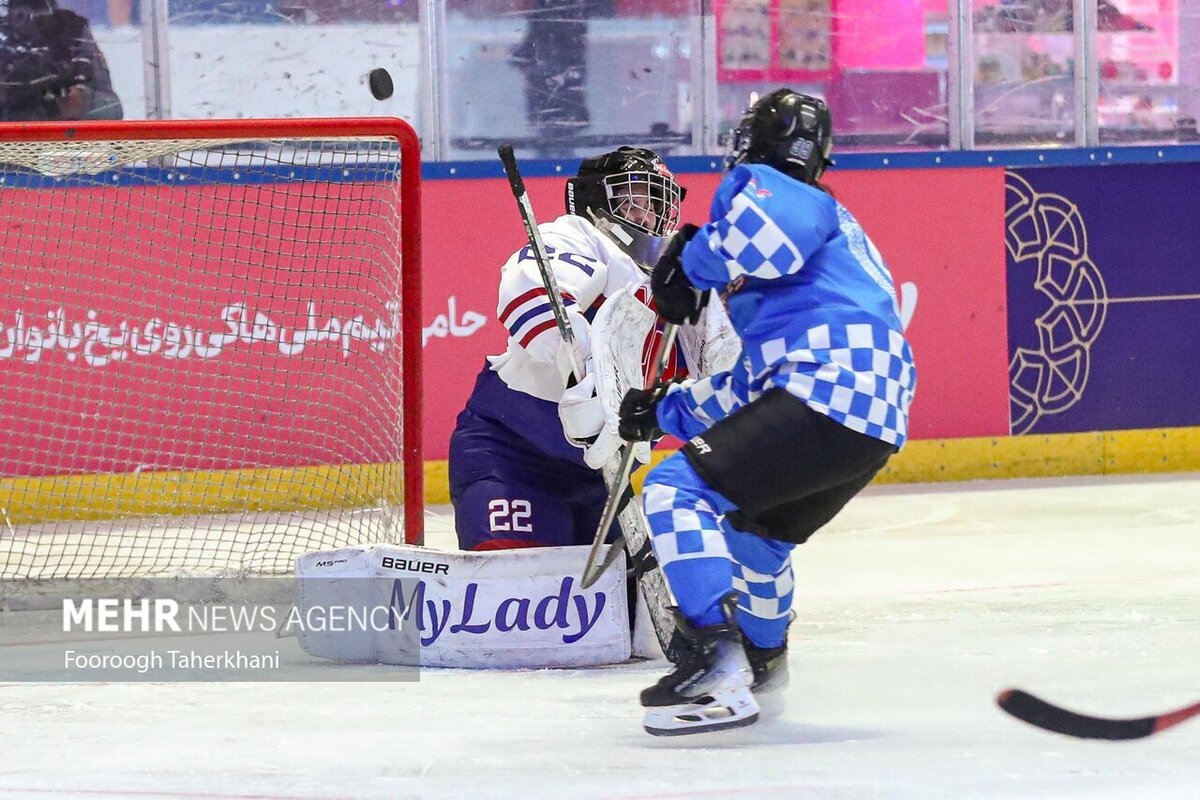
[[592, 571], [1047, 716], [517, 184]]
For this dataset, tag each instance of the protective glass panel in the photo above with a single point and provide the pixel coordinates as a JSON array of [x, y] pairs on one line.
[[292, 58], [569, 78], [1142, 81], [1023, 54], [881, 67]]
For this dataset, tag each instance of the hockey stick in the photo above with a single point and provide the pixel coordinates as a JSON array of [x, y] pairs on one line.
[[517, 183], [654, 587], [592, 571], [1050, 717]]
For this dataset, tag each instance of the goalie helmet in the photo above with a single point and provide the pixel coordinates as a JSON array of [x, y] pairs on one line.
[[789, 131], [631, 197]]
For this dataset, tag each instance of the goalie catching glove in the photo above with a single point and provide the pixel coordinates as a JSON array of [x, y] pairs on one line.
[[676, 298]]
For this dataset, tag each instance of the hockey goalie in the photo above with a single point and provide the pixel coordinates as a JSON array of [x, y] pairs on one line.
[[534, 453]]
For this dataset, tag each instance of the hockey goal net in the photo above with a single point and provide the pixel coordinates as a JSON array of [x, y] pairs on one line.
[[211, 344]]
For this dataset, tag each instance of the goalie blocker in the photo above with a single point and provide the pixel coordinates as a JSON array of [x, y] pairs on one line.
[[507, 609]]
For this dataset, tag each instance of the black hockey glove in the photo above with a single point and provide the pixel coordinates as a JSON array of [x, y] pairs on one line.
[[639, 413], [676, 299]]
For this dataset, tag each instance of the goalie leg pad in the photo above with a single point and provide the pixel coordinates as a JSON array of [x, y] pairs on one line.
[[643, 560], [399, 604], [785, 468]]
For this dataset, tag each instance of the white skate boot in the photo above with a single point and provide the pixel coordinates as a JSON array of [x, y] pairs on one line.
[[770, 668], [709, 689]]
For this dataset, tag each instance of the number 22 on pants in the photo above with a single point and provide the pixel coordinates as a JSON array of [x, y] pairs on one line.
[[510, 515]]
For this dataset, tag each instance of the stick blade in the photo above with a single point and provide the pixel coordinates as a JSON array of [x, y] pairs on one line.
[[1047, 716], [593, 570]]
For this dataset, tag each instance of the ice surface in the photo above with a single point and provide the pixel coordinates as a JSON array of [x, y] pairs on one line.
[[915, 607]]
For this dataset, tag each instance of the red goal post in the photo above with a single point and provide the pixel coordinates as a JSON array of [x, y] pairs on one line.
[[210, 333]]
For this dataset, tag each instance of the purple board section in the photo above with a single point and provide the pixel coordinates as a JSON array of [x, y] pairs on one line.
[[1103, 284]]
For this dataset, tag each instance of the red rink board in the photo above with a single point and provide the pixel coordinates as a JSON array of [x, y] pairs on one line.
[[122, 354], [941, 230]]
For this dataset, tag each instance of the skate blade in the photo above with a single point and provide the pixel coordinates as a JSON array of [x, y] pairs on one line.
[[724, 711], [771, 704]]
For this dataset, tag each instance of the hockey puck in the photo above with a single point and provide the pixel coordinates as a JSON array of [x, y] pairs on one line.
[[381, 83]]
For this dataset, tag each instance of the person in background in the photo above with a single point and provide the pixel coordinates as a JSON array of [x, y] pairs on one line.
[[50, 65], [553, 57]]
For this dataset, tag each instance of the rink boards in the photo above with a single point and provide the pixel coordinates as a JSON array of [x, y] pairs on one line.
[[1054, 324], [1053, 321]]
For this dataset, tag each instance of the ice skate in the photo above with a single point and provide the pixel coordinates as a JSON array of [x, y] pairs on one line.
[[709, 689], [770, 668]]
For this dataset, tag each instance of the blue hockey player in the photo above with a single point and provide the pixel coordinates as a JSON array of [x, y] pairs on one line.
[[775, 447]]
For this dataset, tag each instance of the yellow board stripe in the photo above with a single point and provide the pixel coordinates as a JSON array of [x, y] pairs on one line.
[[932, 460], [115, 495], [106, 496], [1097, 453]]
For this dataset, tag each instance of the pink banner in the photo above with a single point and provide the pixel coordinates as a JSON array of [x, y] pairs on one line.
[[256, 329], [941, 231]]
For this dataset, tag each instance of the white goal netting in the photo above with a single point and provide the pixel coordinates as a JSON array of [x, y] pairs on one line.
[[208, 349]]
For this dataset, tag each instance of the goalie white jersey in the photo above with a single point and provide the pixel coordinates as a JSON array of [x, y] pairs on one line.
[[588, 268], [517, 478]]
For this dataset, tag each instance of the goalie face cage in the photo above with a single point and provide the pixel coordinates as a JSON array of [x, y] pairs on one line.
[[211, 343]]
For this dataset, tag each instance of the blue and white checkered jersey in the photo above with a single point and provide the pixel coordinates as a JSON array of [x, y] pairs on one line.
[[812, 301]]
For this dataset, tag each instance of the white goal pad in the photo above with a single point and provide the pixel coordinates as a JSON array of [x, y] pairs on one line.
[[503, 609], [620, 330], [711, 345]]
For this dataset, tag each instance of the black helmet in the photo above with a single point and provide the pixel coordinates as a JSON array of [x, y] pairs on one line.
[[789, 131], [631, 197]]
